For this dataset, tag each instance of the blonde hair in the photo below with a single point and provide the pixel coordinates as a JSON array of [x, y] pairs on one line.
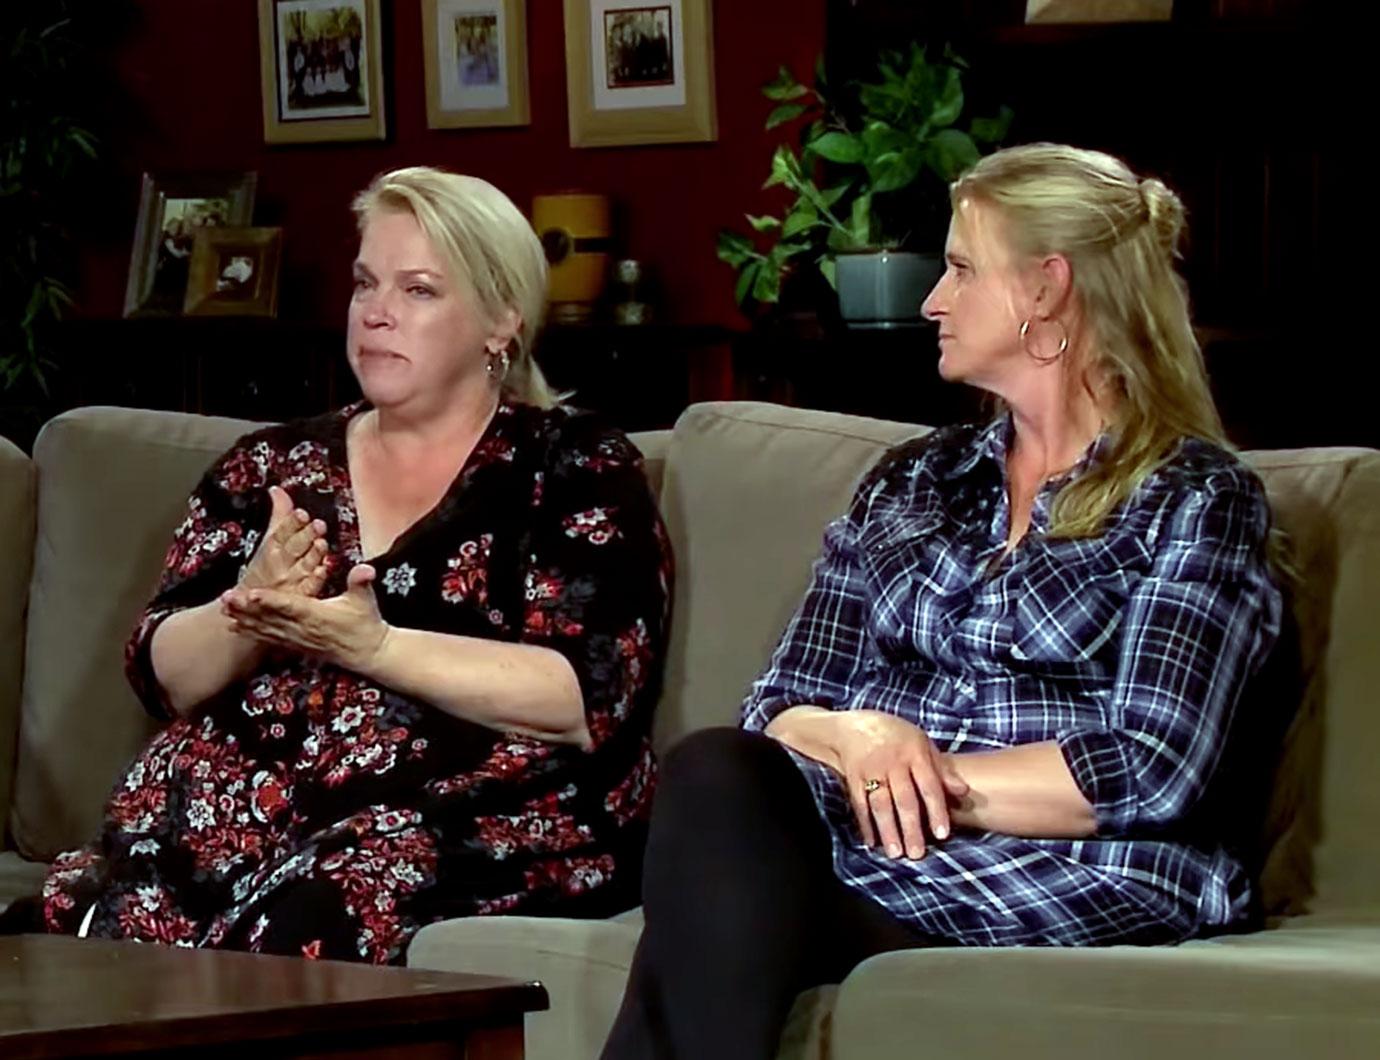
[[1121, 237], [487, 245]]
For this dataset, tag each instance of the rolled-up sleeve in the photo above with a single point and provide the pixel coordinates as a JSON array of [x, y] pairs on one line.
[[1195, 628]]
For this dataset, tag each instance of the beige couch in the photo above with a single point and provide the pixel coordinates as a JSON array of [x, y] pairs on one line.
[[746, 490]]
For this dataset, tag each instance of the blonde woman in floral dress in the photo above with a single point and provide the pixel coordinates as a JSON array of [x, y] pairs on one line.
[[409, 650]]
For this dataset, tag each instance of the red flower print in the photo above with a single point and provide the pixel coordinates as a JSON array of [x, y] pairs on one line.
[[545, 617], [245, 470], [270, 797], [148, 915], [467, 574], [610, 452], [571, 876], [596, 525], [307, 464], [631, 800], [498, 906], [312, 950], [535, 832], [493, 450]]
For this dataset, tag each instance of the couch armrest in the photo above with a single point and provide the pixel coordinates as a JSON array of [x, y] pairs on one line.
[[17, 548]]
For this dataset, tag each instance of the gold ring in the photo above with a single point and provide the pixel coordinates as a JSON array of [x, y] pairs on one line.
[[869, 786]]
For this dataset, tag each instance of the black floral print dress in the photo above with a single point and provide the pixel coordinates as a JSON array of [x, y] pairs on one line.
[[307, 810]]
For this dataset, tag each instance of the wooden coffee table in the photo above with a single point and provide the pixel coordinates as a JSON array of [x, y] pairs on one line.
[[62, 996]]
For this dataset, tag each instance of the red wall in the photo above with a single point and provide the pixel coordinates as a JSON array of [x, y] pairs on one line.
[[190, 74]]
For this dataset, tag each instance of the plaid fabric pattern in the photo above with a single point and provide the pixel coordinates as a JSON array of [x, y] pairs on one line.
[[1129, 649]]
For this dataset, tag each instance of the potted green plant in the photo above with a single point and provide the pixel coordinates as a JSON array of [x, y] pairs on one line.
[[869, 185]]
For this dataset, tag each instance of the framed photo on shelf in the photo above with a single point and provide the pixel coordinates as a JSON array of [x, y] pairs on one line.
[[1037, 11], [321, 70], [234, 272], [474, 53], [172, 209], [639, 71]]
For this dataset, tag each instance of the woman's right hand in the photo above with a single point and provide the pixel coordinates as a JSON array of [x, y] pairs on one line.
[[888, 766], [891, 767], [292, 556]]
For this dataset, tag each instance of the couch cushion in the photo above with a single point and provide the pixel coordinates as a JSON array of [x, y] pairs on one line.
[[582, 963], [112, 484], [749, 488], [16, 545], [584, 966], [1328, 501], [1299, 991]]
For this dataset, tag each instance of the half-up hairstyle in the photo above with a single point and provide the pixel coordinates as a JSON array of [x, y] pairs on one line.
[[1120, 235]]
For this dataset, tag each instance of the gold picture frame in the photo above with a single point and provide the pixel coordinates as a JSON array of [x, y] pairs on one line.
[[321, 71], [655, 60], [173, 207], [474, 53], [234, 272]]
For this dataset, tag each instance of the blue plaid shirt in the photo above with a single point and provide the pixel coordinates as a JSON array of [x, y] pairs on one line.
[[1129, 649]]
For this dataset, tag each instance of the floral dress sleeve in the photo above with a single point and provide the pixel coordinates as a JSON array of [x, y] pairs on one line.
[[225, 517], [598, 575]]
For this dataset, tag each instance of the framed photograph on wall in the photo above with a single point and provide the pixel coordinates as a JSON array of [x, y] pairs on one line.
[[234, 272], [475, 56], [1037, 11], [639, 71], [320, 70], [172, 209]]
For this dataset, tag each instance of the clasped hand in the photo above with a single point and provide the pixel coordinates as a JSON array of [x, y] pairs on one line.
[[292, 556], [275, 601], [890, 768], [345, 630]]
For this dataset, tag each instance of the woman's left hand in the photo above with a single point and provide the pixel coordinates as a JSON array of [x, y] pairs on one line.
[[345, 630]]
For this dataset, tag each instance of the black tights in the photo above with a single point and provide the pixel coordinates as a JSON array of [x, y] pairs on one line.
[[743, 909]]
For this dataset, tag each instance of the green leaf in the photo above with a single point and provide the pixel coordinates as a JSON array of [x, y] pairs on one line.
[[801, 219], [784, 251], [734, 248], [949, 105], [784, 113], [767, 286], [950, 153], [829, 196], [841, 239], [838, 147], [746, 280], [880, 139], [764, 223], [991, 130], [900, 170], [860, 221], [827, 268], [785, 168], [784, 87]]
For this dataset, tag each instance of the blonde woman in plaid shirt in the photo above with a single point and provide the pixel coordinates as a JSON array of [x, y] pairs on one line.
[[1001, 714]]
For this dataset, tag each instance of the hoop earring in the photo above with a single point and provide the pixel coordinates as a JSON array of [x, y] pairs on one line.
[[1039, 358], [496, 365]]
